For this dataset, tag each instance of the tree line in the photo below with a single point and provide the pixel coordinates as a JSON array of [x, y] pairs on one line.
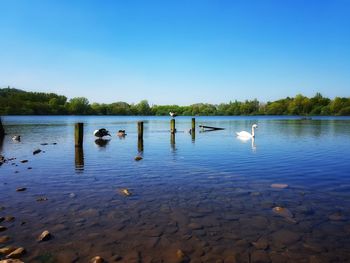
[[19, 102]]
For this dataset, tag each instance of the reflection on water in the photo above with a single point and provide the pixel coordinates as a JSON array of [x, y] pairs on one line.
[[211, 199], [140, 145], [79, 158], [102, 142]]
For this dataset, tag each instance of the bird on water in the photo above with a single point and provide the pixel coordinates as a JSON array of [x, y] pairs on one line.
[[101, 133], [247, 135]]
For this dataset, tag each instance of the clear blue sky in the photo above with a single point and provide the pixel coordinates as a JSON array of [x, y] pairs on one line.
[[178, 51]]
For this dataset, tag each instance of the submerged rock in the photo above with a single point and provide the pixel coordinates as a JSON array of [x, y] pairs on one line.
[[41, 199], [44, 236], [19, 252], [284, 212], [7, 250], [138, 158], [24, 161], [4, 239], [10, 260], [338, 216], [125, 192], [97, 259], [21, 189], [279, 186], [181, 256], [3, 228], [9, 218]]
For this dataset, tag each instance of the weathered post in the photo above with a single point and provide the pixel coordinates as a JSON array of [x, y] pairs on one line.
[[172, 126], [2, 130], [79, 134], [193, 124], [140, 130]]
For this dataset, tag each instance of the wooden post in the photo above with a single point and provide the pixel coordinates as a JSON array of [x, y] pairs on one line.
[[193, 124], [140, 130], [79, 134], [2, 130], [172, 126]]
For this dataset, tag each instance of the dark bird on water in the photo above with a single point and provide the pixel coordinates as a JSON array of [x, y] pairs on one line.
[[101, 133]]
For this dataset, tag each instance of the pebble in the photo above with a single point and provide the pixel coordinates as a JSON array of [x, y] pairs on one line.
[[21, 189], [9, 218], [260, 256], [97, 259], [125, 192], [336, 217], [42, 198], [279, 186], [44, 236], [261, 243], [7, 250], [284, 212], [11, 261], [72, 195], [138, 158], [17, 253], [4, 239], [3, 228]]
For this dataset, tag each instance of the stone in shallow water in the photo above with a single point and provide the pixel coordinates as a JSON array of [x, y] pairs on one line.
[[97, 259], [260, 256], [11, 261], [279, 186], [7, 250], [19, 252], [21, 189], [261, 243], [338, 216], [9, 218], [285, 237], [138, 158], [284, 212], [41, 199], [4, 239], [125, 192], [3, 228], [46, 235]]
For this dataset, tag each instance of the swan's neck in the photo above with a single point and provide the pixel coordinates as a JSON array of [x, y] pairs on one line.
[[253, 132]]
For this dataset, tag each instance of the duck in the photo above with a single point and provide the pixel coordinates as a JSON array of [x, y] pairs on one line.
[[101, 133], [16, 138], [247, 135], [172, 114], [121, 133]]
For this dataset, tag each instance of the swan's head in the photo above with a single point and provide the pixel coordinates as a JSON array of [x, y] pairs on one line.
[[255, 126]]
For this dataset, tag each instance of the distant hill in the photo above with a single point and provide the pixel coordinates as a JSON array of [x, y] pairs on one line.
[[19, 102]]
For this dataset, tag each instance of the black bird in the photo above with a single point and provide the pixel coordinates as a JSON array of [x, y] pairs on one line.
[[101, 133]]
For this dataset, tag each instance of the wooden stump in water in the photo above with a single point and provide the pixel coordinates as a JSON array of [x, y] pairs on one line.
[[140, 129], [79, 134], [172, 126], [193, 124]]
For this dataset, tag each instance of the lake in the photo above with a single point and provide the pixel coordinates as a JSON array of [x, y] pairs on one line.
[[203, 197]]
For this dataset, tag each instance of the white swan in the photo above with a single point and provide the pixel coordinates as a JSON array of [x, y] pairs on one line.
[[247, 135]]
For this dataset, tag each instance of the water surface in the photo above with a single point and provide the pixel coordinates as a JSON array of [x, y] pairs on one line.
[[208, 195]]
